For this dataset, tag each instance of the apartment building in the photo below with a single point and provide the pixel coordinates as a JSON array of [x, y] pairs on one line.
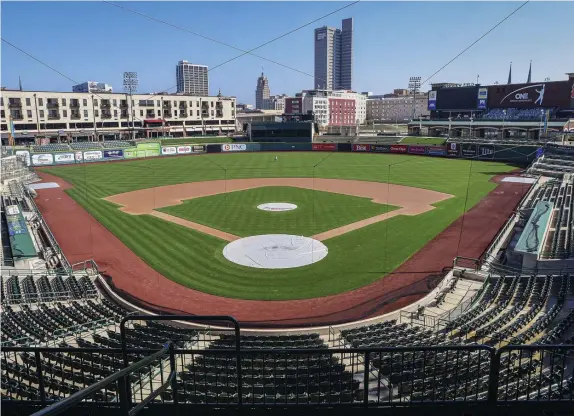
[[396, 109], [95, 116], [192, 78]]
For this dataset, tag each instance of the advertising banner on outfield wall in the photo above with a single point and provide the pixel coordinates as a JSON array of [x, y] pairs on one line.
[[131, 153], [113, 154], [24, 154], [199, 148], [233, 147], [183, 150], [436, 151], [418, 150], [453, 149], [381, 148], [93, 155], [399, 148], [169, 150], [324, 147], [79, 156], [361, 148], [468, 149], [64, 158], [42, 159], [485, 152]]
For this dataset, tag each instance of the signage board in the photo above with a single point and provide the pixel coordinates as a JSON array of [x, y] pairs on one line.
[[482, 98], [436, 150], [468, 150], [381, 148], [453, 149], [417, 150], [169, 150], [79, 156], [324, 147], [534, 95], [64, 158], [42, 159], [432, 100], [93, 155], [399, 148], [233, 147], [181, 150], [361, 148], [114, 154], [485, 151]]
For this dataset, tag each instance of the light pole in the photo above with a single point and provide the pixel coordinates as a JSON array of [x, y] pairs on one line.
[[130, 87], [94, 118], [414, 86], [470, 130], [503, 121], [449, 126]]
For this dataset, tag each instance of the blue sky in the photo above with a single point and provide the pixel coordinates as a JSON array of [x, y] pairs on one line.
[[393, 40]]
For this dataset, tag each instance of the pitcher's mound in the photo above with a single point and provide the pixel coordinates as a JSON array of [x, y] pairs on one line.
[[275, 251]]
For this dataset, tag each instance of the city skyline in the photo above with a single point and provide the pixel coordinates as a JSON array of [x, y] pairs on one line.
[[379, 66], [333, 56]]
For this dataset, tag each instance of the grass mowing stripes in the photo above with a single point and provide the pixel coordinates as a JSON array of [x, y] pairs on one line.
[[355, 259]]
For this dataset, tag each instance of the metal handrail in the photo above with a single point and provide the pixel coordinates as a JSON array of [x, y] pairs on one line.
[[76, 398]]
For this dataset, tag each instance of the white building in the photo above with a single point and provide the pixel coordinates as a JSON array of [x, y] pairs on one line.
[[91, 115], [396, 109], [192, 79], [92, 86], [275, 102]]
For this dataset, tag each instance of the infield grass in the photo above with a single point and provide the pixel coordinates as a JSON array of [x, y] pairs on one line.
[[355, 259]]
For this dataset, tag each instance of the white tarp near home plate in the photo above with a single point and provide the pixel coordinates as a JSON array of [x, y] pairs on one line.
[[43, 185], [277, 206], [275, 251]]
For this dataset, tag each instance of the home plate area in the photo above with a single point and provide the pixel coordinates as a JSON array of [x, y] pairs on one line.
[[275, 251]]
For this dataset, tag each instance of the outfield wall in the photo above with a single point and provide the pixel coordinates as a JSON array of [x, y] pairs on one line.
[[520, 155]]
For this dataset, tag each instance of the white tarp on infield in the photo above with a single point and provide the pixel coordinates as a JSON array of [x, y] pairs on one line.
[[518, 179], [277, 206], [275, 251], [43, 185]]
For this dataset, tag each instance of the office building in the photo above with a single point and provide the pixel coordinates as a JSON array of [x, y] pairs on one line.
[[334, 57], [397, 108], [275, 102], [262, 92], [192, 79], [92, 86]]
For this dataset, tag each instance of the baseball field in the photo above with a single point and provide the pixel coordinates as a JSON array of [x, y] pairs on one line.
[[372, 212]]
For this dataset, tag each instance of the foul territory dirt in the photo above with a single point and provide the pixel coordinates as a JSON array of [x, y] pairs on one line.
[[413, 201], [82, 237]]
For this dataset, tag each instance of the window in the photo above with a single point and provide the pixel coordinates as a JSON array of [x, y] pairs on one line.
[[41, 113], [197, 103], [63, 102], [115, 102], [28, 103], [40, 101], [211, 113], [175, 103], [115, 112], [158, 103], [85, 112], [29, 113], [211, 104], [141, 113], [175, 113], [95, 102], [3, 115], [65, 112], [1, 100], [85, 102], [197, 113], [96, 113]]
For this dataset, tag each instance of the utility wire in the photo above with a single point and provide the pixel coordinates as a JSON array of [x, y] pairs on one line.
[[244, 52]]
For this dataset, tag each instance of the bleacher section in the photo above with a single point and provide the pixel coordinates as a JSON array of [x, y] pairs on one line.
[[515, 114], [553, 164]]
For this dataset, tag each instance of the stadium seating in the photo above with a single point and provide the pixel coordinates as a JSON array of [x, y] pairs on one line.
[[85, 145], [52, 147], [514, 114], [116, 144]]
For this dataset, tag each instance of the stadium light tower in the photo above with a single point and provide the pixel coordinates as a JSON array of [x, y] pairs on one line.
[[130, 87], [414, 87]]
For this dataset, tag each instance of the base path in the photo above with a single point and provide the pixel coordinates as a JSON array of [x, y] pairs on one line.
[[412, 201], [82, 237]]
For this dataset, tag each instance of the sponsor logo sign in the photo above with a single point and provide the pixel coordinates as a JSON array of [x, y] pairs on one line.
[[79, 156], [93, 155], [24, 154], [183, 149], [42, 159], [149, 146], [468, 150], [381, 148], [324, 147], [538, 95], [436, 150], [432, 100], [453, 149], [198, 148], [482, 97], [233, 147], [171, 150], [485, 152], [417, 150], [131, 153], [399, 148], [361, 148], [64, 158], [113, 154]]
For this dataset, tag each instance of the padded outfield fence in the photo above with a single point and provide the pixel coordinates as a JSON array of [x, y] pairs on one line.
[[518, 154], [185, 376]]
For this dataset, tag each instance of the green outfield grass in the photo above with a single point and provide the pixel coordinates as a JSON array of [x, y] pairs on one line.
[[424, 141], [355, 259], [196, 140], [237, 213]]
